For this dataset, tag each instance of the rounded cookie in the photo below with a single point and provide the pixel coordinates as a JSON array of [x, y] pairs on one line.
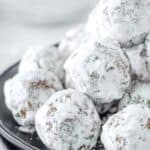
[[27, 91], [128, 129], [47, 58], [102, 71], [126, 21], [68, 121]]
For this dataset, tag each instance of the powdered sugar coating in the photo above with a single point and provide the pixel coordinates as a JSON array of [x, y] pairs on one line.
[[140, 62], [27, 91], [47, 58], [101, 108], [128, 129], [101, 71], [147, 43], [140, 93], [126, 21], [68, 82], [73, 39], [68, 121]]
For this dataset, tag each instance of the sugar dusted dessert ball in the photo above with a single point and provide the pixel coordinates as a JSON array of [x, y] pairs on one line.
[[68, 121], [140, 62], [140, 93], [101, 71], [128, 129], [73, 39], [47, 58], [27, 91], [126, 21]]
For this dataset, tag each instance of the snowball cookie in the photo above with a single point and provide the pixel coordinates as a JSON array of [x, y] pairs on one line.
[[101, 71], [128, 129], [124, 20], [27, 91], [140, 93], [68, 121], [73, 39], [46, 58], [140, 62]]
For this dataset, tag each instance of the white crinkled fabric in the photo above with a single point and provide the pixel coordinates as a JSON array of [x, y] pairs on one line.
[[26, 92], [128, 129], [101, 71], [126, 21], [68, 121], [47, 58]]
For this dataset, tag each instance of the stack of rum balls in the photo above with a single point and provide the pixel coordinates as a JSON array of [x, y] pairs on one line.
[[96, 83]]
